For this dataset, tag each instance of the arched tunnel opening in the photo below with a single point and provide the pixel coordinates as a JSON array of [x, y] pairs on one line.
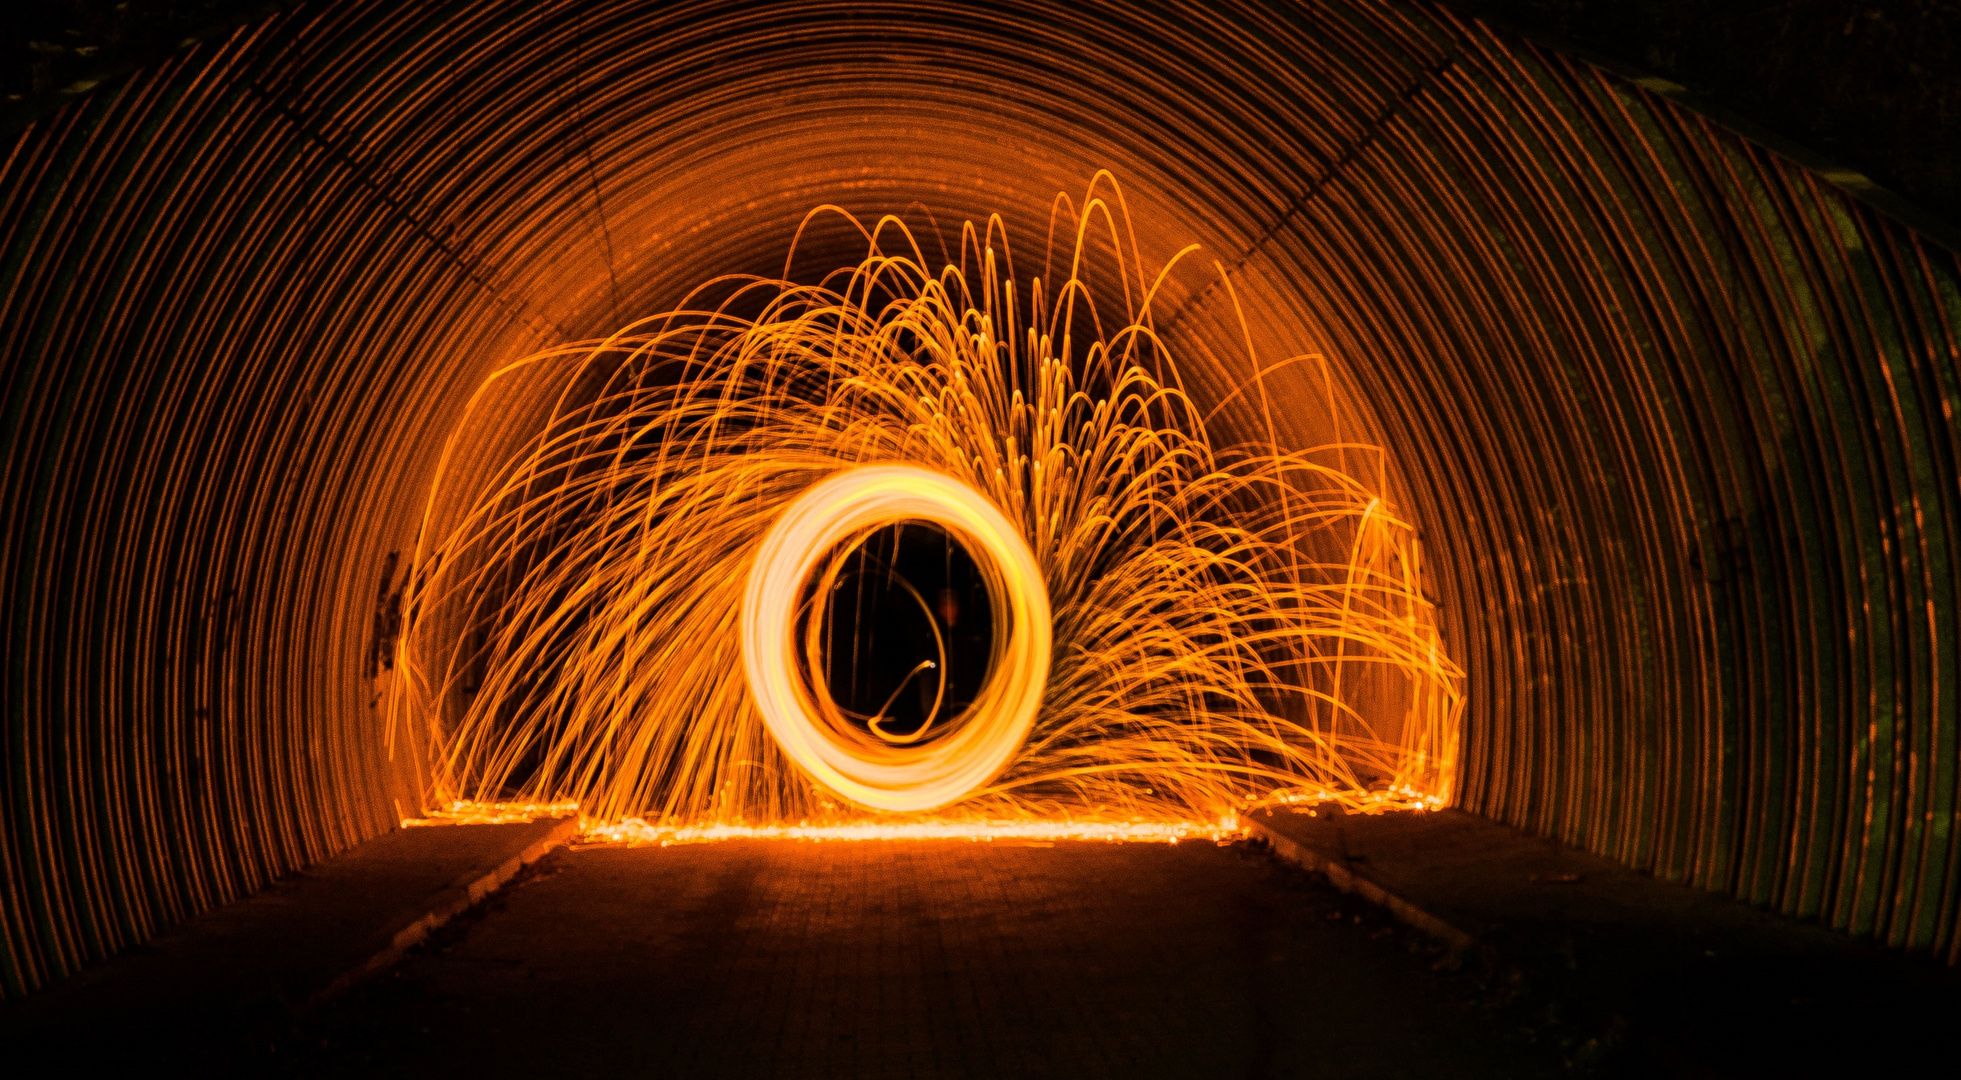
[[398, 397]]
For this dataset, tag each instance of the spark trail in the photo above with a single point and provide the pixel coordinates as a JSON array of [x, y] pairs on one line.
[[577, 633]]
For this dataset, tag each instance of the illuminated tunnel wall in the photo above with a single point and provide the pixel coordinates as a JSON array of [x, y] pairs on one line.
[[1675, 416]]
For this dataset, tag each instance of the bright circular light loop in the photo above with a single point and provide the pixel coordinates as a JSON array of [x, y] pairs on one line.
[[974, 750]]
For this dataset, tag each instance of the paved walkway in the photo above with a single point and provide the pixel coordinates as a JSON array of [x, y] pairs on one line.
[[229, 981], [1685, 981], [922, 958]]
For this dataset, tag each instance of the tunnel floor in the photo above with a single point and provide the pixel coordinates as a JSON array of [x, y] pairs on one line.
[[929, 958]]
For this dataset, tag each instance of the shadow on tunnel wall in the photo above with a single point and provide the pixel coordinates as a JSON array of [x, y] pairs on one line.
[[1676, 417]]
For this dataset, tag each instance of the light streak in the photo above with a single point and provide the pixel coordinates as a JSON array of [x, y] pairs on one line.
[[869, 767], [1176, 617]]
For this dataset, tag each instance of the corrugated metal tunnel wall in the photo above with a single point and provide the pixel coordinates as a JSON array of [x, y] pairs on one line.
[[1676, 416]]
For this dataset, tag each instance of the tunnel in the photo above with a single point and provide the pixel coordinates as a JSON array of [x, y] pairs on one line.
[[1671, 411]]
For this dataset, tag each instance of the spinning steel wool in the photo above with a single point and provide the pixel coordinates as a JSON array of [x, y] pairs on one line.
[[875, 767], [635, 612]]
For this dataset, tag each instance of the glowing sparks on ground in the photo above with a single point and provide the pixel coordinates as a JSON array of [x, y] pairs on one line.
[[637, 832], [575, 620], [465, 812], [1378, 801]]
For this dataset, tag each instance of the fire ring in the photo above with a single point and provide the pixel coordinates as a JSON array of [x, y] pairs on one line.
[[979, 743]]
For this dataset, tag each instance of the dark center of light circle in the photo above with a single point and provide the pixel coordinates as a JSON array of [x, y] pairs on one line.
[[905, 581]]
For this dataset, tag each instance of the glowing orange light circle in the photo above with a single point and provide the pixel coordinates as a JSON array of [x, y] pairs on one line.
[[929, 775]]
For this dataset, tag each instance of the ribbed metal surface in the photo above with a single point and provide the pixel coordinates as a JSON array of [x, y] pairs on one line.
[[1676, 416]]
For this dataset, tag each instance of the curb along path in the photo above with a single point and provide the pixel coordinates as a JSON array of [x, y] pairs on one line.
[[1349, 879], [238, 974]]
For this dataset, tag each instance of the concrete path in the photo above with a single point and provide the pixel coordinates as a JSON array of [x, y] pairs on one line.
[[1681, 981], [964, 959], [223, 986], [922, 959]]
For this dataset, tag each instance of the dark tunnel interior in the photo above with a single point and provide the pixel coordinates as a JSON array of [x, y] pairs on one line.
[[1673, 412]]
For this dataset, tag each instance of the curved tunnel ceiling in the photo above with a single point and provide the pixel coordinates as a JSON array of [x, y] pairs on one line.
[[1675, 416]]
